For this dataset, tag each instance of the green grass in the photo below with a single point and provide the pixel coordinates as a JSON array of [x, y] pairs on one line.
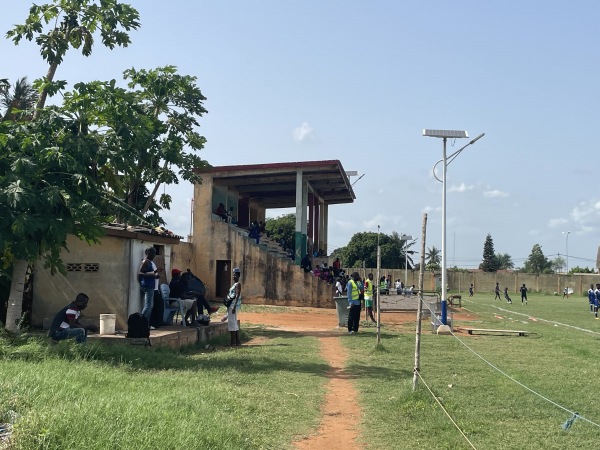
[[495, 412], [124, 397], [266, 396]]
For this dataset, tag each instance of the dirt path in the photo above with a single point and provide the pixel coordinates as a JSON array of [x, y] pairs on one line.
[[341, 413]]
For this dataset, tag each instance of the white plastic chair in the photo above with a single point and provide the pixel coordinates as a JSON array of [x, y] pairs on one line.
[[171, 311]]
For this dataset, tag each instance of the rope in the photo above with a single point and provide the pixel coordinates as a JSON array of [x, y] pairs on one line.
[[445, 411], [573, 413]]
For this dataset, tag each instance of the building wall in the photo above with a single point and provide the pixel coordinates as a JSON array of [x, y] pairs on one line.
[[266, 277], [106, 272]]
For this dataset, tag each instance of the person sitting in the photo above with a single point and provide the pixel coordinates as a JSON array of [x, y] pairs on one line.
[[221, 212], [192, 301], [306, 264], [253, 232], [66, 324]]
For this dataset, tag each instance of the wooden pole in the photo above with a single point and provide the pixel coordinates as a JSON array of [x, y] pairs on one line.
[[420, 305]]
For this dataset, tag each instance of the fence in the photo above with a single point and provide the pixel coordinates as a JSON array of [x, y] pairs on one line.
[[486, 281]]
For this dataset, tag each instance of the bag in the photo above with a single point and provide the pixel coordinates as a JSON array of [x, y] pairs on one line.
[[138, 327], [192, 283], [203, 319], [229, 300]]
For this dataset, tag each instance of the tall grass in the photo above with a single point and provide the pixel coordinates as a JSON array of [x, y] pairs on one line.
[[121, 397]]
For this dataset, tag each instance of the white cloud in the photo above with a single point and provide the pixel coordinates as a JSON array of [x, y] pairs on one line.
[[462, 187], [303, 133], [495, 194], [553, 223], [429, 209]]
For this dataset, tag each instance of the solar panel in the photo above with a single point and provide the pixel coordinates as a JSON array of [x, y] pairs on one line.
[[452, 134]]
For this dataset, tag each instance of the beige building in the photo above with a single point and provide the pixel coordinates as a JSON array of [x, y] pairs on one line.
[[248, 191], [107, 271]]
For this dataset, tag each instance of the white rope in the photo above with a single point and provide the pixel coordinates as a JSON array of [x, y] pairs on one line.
[[444, 409], [518, 382]]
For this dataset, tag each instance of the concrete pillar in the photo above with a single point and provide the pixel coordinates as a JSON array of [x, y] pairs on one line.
[[301, 206]]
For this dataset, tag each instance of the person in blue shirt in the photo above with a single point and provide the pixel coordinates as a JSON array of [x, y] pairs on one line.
[[591, 297], [354, 288]]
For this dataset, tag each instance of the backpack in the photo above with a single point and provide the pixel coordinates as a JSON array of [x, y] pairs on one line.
[[203, 319], [138, 327], [192, 283]]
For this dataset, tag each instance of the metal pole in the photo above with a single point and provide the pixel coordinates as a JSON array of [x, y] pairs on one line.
[[376, 288], [417, 367], [444, 290], [568, 232], [405, 262]]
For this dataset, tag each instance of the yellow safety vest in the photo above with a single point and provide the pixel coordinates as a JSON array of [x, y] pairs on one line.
[[354, 290], [369, 288]]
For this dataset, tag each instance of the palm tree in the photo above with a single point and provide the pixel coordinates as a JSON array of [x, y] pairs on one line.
[[433, 258], [18, 103]]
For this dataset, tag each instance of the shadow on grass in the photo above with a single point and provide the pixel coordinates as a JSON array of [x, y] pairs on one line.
[[286, 355]]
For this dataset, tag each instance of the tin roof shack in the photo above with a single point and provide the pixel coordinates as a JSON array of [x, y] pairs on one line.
[[106, 271]]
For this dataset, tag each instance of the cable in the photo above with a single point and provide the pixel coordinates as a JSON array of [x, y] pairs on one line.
[[573, 413], [444, 409]]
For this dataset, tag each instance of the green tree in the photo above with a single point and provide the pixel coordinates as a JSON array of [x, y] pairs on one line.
[[578, 269], [490, 262], [46, 194], [433, 259], [282, 229], [504, 261], [558, 264], [537, 262], [145, 131], [363, 248], [73, 23], [49, 192], [18, 104]]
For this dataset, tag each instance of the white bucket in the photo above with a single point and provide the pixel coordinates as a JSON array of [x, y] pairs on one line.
[[107, 323]]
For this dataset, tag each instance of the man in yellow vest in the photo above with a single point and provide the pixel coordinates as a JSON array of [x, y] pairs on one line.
[[355, 292], [369, 297]]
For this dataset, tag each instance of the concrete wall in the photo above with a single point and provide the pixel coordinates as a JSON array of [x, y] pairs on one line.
[[486, 281], [266, 277], [106, 272]]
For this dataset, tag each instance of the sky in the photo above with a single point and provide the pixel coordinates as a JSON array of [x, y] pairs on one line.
[[358, 81]]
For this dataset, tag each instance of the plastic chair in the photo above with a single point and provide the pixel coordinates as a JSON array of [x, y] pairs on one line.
[[171, 311]]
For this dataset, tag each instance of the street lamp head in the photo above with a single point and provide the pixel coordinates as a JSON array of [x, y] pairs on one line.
[[451, 134]]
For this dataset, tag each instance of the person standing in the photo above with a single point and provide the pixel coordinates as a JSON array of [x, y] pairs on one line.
[[508, 300], [148, 276], [369, 297], [592, 298], [497, 291], [354, 289], [596, 299], [523, 294], [471, 290], [235, 295], [66, 324]]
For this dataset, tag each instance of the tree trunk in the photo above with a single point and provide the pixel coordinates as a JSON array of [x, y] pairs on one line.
[[15, 300]]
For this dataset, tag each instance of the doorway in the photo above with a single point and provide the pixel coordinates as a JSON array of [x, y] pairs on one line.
[[223, 278]]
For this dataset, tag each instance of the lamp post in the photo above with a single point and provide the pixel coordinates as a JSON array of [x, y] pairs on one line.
[[445, 135], [406, 238], [567, 244]]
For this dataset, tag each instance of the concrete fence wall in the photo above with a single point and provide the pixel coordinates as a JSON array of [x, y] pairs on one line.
[[486, 281]]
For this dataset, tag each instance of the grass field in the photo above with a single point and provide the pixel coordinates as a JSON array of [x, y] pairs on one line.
[[503, 392], [553, 372]]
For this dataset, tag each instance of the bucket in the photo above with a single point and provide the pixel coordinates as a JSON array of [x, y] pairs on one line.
[[107, 323]]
